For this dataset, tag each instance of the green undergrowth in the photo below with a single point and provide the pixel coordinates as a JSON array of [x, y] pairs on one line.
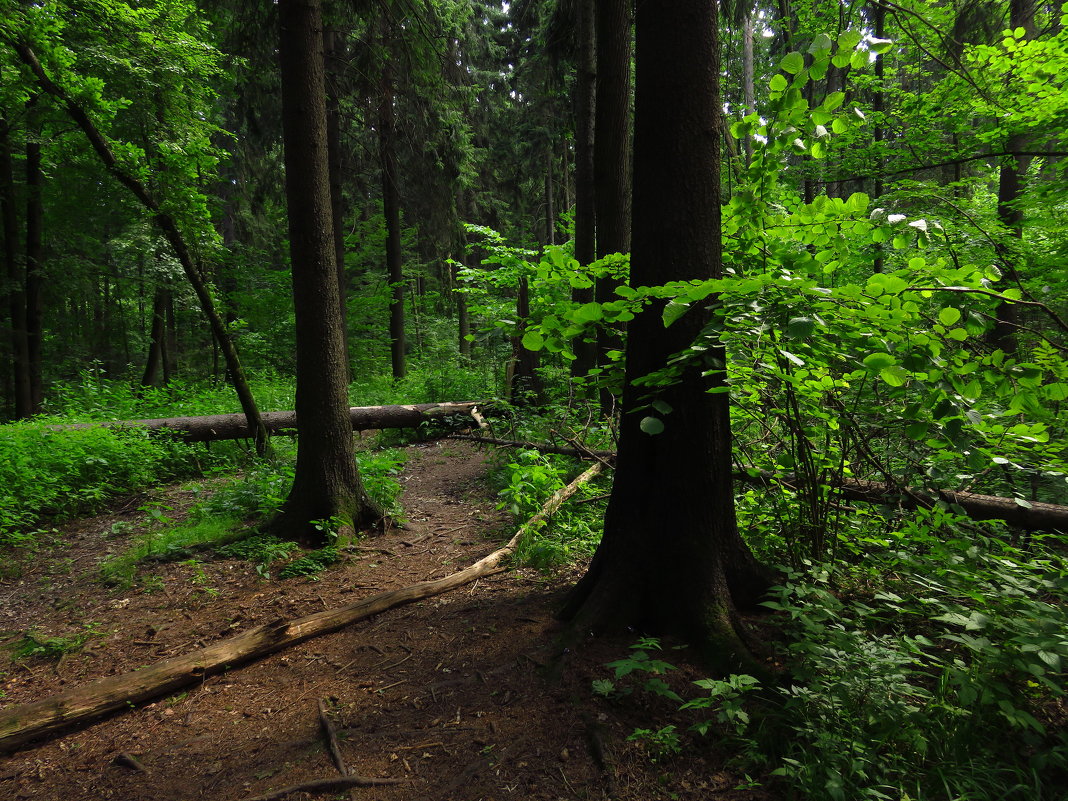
[[52, 474], [225, 519], [527, 479], [931, 670]]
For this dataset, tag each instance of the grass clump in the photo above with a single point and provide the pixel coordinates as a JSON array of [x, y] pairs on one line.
[[36, 645]]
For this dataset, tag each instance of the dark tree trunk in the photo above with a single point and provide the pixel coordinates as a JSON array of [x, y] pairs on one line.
[[334, 59], [1010, 191], [878, 107], [157, 343], [387, 153], [326, 483], [16, 299], [170, 350], [748, 82], [671, 559], [525, 387], [34, 273], [585, 210], [612, 172]]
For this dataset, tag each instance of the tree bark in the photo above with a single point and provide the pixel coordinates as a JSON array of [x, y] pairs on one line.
[[157, 341], [334, 58], [671, 559], [326, 483], [34, 271], [16, 299], [1010, 191], [387, 153], [585, 209], [611, 157]]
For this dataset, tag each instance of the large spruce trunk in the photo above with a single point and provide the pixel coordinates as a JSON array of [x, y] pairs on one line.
[[671, 559], [326, 483]]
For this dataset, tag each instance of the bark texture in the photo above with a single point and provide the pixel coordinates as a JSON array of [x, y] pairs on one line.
[[326, 483], [671, 559]]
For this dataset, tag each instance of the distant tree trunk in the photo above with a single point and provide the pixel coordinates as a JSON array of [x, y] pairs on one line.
[[157, 341], [748, 81], [525, 387], [612, 154], [16, 298], [1010, 191], [387, 152], [170, 351], [34, 272], [585, 209], [550, 206], [334, 57], [878, 107], [671, 559], [326, 483]]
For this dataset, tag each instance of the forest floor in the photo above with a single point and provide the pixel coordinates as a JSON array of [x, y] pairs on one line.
[[451, 695]]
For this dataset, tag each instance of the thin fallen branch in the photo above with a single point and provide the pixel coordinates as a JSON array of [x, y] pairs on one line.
[[80, 705], [324, 786], [330, 734], [1030, 515]]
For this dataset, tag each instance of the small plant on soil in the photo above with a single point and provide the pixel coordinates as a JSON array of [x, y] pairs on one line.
[[36, 645]]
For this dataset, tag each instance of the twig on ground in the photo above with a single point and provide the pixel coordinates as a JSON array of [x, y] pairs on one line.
[[324, 786]]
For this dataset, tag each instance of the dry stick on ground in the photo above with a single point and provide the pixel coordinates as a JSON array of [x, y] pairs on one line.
[[1034, 516], [324, 786], [79, 705], [330, 733]]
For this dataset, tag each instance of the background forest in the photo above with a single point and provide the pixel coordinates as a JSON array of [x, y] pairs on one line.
[[891, 316]]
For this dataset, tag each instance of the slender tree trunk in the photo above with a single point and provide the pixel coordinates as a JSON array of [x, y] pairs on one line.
[[34, 272], [748, 81], [550, 206], [878, 107], [671, 559], [612, 155], [585, 209], [326, 483], [387, 138], [334, 58], [16, 299], [1010, 192], [157, 342]]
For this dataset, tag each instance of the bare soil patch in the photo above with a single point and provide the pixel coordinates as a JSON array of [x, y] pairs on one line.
[[449, 694]]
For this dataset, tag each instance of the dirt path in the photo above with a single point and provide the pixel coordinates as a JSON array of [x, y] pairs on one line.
[[446, 694]]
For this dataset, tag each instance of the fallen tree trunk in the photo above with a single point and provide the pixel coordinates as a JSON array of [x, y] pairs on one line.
[[1030, 515], [235, 426], [79, 705]]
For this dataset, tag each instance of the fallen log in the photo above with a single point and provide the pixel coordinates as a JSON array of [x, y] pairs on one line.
[[234, 426], [79, 705], [1030, 515]]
